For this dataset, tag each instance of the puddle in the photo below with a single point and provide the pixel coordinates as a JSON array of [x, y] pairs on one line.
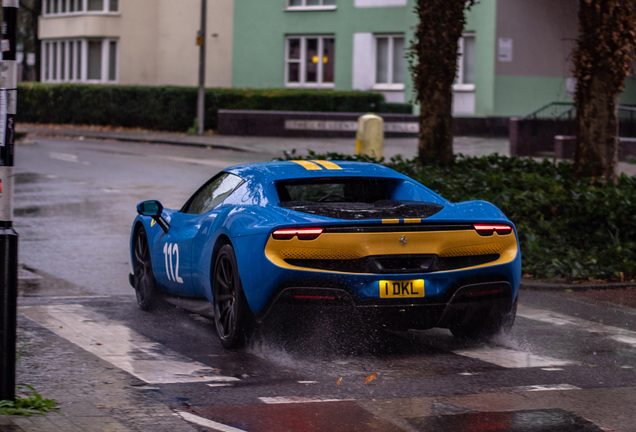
[[516, 421]]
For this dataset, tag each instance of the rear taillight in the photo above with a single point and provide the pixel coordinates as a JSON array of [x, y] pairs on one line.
[[301, 233], [489, 229]]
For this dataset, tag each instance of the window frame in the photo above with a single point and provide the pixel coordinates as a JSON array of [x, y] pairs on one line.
[[78, 62], [305, 7], [390, 85], [67, 7], [459, 84], [319, 84]]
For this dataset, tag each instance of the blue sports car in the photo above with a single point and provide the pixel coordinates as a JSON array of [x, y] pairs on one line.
[[353, 235]]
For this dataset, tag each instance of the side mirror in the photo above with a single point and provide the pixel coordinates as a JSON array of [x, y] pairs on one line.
[[153, 209]]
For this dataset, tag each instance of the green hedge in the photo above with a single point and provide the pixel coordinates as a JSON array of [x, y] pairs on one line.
[[174, 108], [569, 227]]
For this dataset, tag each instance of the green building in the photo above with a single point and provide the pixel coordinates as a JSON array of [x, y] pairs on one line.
[[516, 54]]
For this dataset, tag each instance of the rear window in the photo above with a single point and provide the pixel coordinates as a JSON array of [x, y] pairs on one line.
[[358, 198], [360, 190]]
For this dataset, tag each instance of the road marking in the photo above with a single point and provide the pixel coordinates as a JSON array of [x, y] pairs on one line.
[[117, 344], [535, 388], [207, 162], [207, 423], [220, 385], [616, 333], [299, 399], [64, 157], [551, 369], [510, 358], [307, 382]]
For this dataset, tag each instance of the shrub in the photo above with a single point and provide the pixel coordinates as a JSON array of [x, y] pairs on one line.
[[569, 227], [173, 108]]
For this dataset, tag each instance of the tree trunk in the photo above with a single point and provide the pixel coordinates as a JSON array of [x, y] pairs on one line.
[[602, 61], [596, 125], [441, 23]]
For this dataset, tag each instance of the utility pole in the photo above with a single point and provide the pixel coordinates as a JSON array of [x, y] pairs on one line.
[[201, 43], [8, 236]]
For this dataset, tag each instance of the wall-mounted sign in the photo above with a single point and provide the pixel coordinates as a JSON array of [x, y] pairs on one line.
[[504, 53]]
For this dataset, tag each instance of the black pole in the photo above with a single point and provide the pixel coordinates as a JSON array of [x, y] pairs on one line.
[[202, 43], [8, 236]]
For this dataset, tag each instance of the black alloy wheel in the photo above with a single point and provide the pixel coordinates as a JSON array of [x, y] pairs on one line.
[[143, 278], [232, 315]]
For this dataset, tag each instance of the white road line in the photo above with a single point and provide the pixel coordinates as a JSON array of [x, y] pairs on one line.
[[618, 334], [207, 162], [207, 423], [64, 157], [535, 388], [307, 382], [299, 399], [509, 358], [552, 369], [117, 344], [220, 385]]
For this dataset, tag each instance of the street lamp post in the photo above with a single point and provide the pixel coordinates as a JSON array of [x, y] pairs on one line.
[[8, 236], [201, 43]]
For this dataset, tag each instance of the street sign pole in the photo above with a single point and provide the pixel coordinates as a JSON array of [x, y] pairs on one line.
[[8, 236], [201, 43]]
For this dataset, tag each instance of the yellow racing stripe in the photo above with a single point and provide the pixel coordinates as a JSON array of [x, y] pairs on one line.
[[307, 165], [414, 220], [390, 221], [327, 164]]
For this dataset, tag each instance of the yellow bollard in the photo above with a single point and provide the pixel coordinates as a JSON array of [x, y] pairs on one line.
[[370, 136]]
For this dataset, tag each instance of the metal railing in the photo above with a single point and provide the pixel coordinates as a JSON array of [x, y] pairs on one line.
[[554, 111]]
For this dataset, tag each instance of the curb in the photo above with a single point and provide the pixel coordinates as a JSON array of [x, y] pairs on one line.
[[104, 136], [548, 286]]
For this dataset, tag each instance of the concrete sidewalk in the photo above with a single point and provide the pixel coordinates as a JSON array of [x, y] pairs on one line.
[[92, 394], [275, 146]]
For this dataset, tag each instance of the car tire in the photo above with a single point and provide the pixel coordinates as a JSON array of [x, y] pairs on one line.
[[143, 277], [485, 324], [232, 315]]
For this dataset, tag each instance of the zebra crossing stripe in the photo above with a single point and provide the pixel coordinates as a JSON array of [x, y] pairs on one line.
[[616, 333], [124, 348]]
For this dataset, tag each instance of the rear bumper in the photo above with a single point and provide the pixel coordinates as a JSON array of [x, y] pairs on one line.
[[459, 303]]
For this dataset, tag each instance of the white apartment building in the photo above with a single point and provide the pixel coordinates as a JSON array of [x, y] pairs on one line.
[[135, 42]]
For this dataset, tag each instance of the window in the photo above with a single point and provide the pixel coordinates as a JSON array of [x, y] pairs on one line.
[[389, 62], [80, 60], [58, 7], [465, 79], [310, 4], [212, 193], [309, 61]]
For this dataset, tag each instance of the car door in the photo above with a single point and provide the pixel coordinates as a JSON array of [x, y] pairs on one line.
[[197, 214]]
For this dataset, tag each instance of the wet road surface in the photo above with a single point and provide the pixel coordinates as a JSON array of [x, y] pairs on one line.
[[569, 363]]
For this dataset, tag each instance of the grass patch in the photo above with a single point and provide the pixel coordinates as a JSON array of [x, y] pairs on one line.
[[569, 227], [28, 404]]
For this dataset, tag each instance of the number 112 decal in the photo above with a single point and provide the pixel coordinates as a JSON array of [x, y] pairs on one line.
[[169, 250]]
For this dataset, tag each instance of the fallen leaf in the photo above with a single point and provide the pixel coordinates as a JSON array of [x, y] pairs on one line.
[[201, 376], [339, 381], [370, 378], [593, 365], [98, 343]]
